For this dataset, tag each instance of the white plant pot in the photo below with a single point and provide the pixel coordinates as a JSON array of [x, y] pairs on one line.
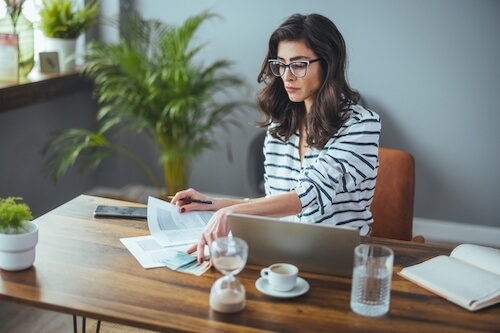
[[66, 50], [17, 251]]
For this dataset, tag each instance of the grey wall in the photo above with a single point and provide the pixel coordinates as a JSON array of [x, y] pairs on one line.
[[430, 68], [23, 132]]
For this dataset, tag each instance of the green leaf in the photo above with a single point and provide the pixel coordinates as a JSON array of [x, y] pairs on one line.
[[63, 18], [13, 215]]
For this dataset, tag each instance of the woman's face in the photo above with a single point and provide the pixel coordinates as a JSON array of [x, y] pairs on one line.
[[300, 89]]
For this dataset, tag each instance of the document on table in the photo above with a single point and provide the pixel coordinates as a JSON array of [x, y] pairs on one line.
[[169, 227], [171, 234]]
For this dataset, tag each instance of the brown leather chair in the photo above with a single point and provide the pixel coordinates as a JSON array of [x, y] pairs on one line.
[[392, 205]]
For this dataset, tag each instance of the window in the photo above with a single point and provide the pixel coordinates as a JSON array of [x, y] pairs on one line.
[[31, 9]]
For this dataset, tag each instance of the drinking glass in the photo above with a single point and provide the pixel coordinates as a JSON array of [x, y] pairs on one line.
[[229, 256], [371, 279]]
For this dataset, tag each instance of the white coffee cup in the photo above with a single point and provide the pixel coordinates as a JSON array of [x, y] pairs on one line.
[[281, 276]]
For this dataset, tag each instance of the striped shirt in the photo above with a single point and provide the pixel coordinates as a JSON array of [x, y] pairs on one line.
[[335, 184]]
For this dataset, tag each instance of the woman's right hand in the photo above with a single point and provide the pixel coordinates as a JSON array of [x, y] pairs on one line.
[[186, 206]]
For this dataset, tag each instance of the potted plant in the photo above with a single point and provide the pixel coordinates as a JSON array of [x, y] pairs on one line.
[[62, 22], [18, 235], [151, 84]]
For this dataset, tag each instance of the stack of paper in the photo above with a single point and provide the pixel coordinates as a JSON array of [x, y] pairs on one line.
[[171, 234]]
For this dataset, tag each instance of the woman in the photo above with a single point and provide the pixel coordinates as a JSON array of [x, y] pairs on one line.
[[321, 147]]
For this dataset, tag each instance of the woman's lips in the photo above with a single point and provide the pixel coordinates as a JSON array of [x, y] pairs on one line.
[[291, 90]]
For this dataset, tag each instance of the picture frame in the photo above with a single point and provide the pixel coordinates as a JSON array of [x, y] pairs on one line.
[[49, 62]]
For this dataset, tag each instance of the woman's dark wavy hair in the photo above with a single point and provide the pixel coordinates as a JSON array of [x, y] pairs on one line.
[[334, 96]]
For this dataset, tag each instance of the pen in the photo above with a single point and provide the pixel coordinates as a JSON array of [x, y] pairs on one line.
[[189, 200]]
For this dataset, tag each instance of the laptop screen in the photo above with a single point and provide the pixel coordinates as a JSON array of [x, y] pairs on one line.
[[313, 248]]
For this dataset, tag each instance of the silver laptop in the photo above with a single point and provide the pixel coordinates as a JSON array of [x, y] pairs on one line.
[[313, 248]]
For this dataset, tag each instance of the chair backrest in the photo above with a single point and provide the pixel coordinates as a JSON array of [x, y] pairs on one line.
[[392, 205], [255, 164]]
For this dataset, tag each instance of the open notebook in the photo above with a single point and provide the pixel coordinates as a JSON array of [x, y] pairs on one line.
[[313, 248]]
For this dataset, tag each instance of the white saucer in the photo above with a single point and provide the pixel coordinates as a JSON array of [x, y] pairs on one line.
[[300, 288]]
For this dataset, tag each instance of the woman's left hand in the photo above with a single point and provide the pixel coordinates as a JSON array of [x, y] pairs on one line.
[[216, 227]]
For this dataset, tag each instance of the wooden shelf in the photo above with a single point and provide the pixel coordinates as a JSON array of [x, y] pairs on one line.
[[39, 88]]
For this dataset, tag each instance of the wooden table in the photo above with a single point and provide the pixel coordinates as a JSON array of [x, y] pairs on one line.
[[82, 268]]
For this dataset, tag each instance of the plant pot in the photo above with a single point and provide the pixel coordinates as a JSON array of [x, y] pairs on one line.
[[176, 174], [66, 51], [17, 251]]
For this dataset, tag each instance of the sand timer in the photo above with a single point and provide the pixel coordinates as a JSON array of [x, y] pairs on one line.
[[229, 256]]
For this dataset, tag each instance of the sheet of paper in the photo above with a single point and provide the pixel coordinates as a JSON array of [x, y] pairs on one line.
[[485, 257], [150, 254], [169, 227]]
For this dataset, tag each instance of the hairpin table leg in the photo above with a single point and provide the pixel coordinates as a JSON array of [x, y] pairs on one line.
[[75, 322]]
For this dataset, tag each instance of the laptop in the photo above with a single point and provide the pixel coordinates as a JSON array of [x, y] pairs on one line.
[[312, 248]]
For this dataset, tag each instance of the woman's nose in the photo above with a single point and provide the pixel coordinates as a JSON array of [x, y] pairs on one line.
[[287, 75]]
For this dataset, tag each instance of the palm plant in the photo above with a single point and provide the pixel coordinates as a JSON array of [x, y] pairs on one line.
[[150, 83]]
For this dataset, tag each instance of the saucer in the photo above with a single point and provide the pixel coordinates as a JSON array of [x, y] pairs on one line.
[[300, 288]]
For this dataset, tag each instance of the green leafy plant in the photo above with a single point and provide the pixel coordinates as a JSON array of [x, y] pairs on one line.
[[14, 215], [150, 83], [63, 19]]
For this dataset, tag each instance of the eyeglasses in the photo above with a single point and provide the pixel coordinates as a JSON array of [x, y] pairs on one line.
[[297, 68]]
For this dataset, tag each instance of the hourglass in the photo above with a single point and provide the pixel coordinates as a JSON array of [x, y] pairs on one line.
[[229, 256]]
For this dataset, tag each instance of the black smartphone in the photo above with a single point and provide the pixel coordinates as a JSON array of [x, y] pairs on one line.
[[121, 211]]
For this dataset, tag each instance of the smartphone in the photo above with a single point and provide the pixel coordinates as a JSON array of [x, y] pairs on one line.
[[121, 211]]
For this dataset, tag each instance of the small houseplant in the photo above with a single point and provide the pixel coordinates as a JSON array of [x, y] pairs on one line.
[[18, 235], [63, 19], [150, 83], [62, 22]]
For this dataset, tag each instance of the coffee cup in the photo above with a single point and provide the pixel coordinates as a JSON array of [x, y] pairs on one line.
[[280, 276]]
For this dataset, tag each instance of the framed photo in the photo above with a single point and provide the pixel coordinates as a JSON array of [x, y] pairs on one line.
[[49, 62], [9, 57]]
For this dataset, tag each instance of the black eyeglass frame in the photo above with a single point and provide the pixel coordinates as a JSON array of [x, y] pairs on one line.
[[307, 62]]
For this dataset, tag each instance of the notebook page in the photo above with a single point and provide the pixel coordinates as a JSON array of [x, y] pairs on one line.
[[487, 258]]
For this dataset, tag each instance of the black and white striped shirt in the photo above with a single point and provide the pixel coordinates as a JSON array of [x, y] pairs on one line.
[[335, 184]]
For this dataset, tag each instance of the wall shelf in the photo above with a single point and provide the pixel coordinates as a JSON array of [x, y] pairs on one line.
[[40, 88]]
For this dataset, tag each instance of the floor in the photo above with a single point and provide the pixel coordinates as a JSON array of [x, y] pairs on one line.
[[16, 318]]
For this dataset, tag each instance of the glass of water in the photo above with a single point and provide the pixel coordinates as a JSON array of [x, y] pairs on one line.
[[371, 279]]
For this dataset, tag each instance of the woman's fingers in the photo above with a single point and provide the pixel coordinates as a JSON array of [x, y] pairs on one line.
[[192, 248], [216, 227], [200, 247]]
